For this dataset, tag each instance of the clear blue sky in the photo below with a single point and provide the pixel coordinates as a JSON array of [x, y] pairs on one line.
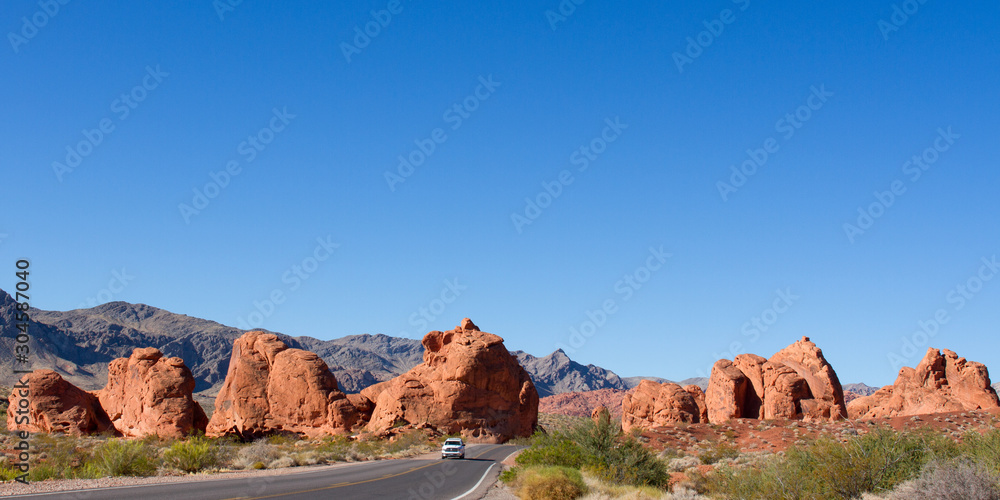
[[879, 97]]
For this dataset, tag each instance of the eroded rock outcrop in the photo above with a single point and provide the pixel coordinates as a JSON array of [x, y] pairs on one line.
[[270, 387], [727, 391], [468, 383], [653, 404], [148, 394], [941, 382], [54, 405], [797, 382]]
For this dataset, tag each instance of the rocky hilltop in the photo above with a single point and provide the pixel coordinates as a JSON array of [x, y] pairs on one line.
[[468, 383], [941, 382]]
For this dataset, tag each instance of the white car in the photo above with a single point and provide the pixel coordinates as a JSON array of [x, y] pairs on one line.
[[453, 447]]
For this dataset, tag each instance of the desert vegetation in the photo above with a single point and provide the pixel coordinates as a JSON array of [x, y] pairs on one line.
[[58, 456], [596, 460]]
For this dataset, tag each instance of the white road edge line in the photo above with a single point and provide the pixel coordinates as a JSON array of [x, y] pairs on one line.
[[467, 493]]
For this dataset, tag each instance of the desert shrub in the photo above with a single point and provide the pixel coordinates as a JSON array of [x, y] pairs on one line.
[[601, 448], [875, 462], [549, 483], [193, 455], [553, 450], [281, 463], [984, 449], [409, 442], [721, 451], [282, 438], [8, 473], [122, 457], [617, 458], [951, 480], [257, 452], [633, 464]]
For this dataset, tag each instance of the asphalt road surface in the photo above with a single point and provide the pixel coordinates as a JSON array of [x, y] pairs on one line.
[[404, 479]]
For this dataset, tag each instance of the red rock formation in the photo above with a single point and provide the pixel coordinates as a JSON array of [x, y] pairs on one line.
[[752, 366], [581, 404], [941, 382], [784, 390], [148, 394], [54, 405], [599, 414], [270, 387], [653, 405], [797, 382], [727, 392], [824, 387], [467, 383], [699, 399]]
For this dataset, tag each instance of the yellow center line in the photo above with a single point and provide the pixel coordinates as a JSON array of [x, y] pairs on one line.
[[341, 485]]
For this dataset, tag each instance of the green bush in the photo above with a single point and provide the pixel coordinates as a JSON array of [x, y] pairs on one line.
[[553, 450], [120, 457], [633, 464], [875, 462], [718, 452], [550, 483], [193, 455]]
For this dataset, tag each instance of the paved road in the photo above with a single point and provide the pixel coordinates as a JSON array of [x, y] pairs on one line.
[[406, 479]]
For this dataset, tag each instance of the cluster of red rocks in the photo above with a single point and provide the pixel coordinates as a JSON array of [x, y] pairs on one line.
[[797, 383], [146, 394], [941, 382], [468, 383]]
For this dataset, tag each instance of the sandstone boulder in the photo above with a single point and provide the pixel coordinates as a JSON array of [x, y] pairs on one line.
[[270, 387], [727, 392], [797, 382], [941, 382], [752, 366], [54, 405], [653, 404], [784, 390], [468, 383], [699, 399], [824, 387], [148, 394]]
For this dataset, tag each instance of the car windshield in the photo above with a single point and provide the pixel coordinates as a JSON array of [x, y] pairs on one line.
[[456, 442]]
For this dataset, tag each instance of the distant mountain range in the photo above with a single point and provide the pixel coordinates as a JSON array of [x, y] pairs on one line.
[[79, 344], [860, 389]]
